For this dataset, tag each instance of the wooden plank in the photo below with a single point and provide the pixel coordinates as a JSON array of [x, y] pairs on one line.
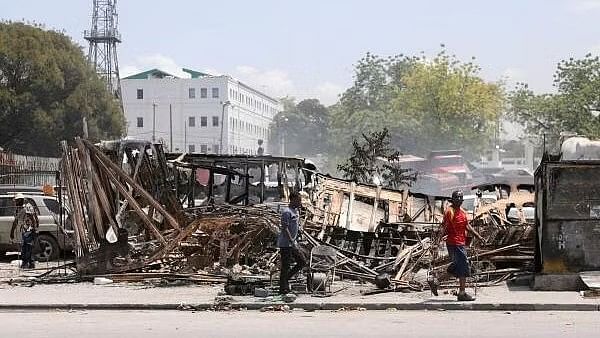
[[134, 204], [350, 206], [93, 205], [77, 219], [404, 265], [103, 199], [138, 189], [374, 210]]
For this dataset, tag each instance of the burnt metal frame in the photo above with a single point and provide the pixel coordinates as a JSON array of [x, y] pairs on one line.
[[224, 164]]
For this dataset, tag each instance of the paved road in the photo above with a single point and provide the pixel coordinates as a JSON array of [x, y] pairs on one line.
[[146, 324]]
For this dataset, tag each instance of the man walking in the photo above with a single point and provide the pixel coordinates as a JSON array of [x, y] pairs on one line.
[[287, 243], [27, 221], [454, 226]]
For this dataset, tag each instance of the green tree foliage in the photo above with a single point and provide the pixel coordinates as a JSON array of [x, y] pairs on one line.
[[374, 160], [570, 109], [303, 126], [426, 104], [46, 88]]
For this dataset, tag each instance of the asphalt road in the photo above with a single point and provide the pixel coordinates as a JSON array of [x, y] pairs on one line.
[[362, 324]]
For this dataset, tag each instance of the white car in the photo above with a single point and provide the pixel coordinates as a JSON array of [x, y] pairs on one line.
[[527, 212]]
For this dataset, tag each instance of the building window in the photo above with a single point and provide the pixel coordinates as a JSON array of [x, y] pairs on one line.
[[215, 121], [203, 93], [140, 94], [192, 93], [191, 148], [140, 122], [216, 148], [203, 148], [192, 121], [215, 93], [203, 121]]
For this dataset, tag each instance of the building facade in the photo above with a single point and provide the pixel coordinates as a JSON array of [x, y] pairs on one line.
[[201, 114]]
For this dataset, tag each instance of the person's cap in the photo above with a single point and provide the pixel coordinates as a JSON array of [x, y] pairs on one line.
[[19, 196], [457, 196]]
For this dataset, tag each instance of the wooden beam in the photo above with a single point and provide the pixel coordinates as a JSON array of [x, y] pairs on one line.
[[134, 204], [138, 188]]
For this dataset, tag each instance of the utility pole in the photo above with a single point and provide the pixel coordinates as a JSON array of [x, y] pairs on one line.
[[170, 127], [185, 137], [154, 121], [225, 104]]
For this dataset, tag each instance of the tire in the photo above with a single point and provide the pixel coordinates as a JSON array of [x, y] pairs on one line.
[[48, 248]]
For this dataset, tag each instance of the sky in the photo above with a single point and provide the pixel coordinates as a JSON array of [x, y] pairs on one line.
[[307, 48]]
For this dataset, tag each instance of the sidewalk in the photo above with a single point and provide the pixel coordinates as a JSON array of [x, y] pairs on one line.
[[139, 297]]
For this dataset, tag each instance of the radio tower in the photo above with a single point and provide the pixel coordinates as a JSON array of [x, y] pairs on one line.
[[103, 37]]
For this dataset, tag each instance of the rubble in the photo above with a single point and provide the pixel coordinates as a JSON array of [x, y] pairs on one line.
[[401, 244], [105, 199], [134, 219]]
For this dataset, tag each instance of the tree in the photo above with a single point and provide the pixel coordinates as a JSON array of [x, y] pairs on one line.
[[571, 109], [373, 160], [303, 126], [445, 104], [426, 104], [367, 105], [46, 88]]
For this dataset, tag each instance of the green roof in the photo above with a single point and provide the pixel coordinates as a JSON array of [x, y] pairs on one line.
[[195, 74], [150, 73]]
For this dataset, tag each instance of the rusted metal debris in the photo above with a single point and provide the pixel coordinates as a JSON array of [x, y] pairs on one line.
[[121, 222], [127, 210], [398, 242]]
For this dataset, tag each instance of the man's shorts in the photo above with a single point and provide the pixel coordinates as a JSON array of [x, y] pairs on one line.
[[460, 264]]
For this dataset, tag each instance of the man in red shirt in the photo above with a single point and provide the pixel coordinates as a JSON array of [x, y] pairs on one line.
[[455, 226]]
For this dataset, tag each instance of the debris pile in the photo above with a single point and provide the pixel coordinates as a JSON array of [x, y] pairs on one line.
[[129, 223], [403, 247], [121, 222]]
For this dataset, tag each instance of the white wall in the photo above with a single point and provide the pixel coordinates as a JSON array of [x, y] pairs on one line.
[[247, 117]]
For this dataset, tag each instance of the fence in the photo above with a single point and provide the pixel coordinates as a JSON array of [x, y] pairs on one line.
[[27, 170]]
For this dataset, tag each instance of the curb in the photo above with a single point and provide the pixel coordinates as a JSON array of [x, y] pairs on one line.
[[454, 306]]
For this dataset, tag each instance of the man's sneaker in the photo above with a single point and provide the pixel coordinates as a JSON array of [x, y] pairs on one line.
[[465, 297]]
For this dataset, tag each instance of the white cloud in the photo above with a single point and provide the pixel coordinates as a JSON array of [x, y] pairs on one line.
[[148, 62], [272, 81], [277, 83]]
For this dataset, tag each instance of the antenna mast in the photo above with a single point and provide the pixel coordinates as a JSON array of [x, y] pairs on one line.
[[103, 38]]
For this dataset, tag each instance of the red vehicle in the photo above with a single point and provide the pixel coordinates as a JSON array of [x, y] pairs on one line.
[[441, 173], [450, 162]]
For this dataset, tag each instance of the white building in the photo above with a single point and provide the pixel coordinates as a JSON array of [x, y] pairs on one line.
[[187, 114]]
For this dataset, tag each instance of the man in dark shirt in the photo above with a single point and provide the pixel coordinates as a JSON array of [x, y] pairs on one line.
[[27, 221], [287, 243], [455, 226]]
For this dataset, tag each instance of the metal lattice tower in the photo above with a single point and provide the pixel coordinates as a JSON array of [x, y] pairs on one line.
[[103, 37]]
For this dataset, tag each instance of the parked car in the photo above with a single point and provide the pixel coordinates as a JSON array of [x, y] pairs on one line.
[[469, 203], [526, 213], [52, 238]]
